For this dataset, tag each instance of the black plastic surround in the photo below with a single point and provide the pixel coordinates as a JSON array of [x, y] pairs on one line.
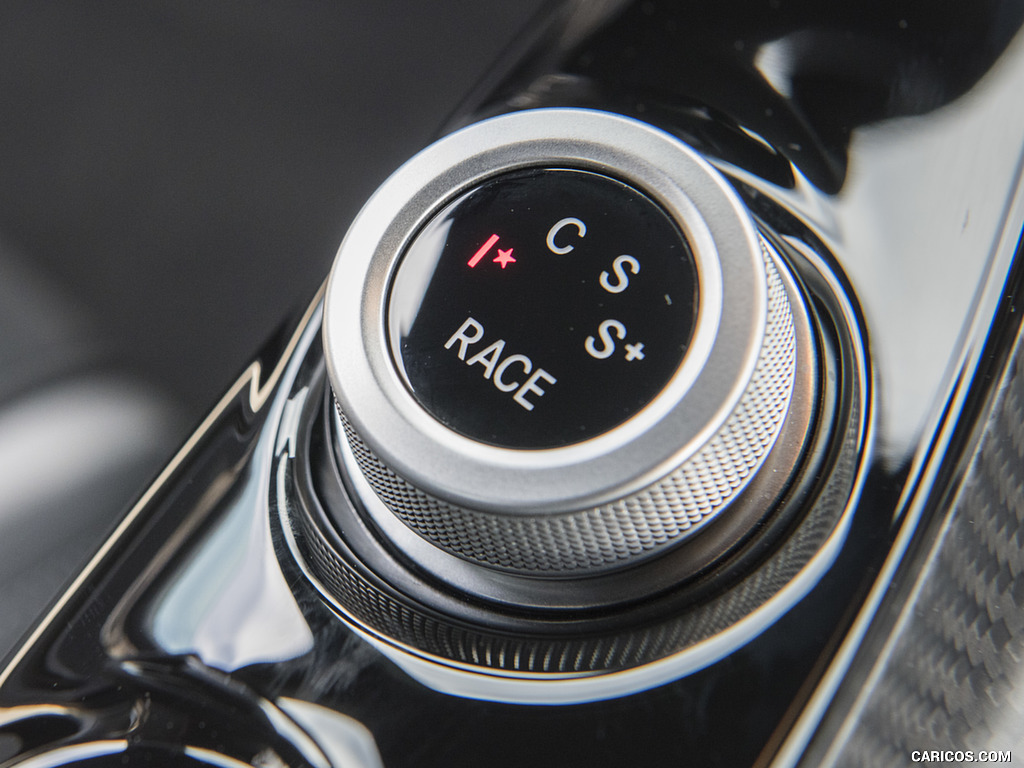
[[543, 307], [788, 96]]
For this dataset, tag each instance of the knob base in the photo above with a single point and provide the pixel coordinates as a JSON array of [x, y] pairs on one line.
[[445, 621]]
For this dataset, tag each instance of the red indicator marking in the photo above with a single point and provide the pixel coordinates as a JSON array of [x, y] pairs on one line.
[[504, 258], [483, 250]]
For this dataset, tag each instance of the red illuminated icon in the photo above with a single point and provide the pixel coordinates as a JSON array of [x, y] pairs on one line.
[[504, 257], [483, 250]]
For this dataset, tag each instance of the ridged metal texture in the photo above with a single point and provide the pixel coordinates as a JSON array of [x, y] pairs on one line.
[[954, 678], [635, 527], [370, 602]]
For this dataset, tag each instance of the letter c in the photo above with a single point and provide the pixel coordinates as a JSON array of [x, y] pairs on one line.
[[499, 372], [581, 228]]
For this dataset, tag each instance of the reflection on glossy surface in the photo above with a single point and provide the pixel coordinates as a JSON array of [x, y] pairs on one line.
[[922, 217], [77, 753], [344, 741], [69, 446], [899, 150], [202, 597], [230, 605], [883, 143]]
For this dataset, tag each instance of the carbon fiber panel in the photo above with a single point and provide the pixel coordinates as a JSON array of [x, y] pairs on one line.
[[953, 680]]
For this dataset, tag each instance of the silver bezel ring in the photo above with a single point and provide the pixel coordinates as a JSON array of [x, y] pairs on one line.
[[698, 399]]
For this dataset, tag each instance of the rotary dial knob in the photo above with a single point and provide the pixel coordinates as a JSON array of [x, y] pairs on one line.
[[559, 347]]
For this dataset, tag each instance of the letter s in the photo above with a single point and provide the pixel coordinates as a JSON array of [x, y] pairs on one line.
[[607, 344], [621, 278]]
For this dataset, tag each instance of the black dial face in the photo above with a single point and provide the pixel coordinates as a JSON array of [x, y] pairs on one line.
[[543, 308]]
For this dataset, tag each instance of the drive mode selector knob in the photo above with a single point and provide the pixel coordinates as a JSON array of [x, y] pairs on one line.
[[559, 347], [574, 333]]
